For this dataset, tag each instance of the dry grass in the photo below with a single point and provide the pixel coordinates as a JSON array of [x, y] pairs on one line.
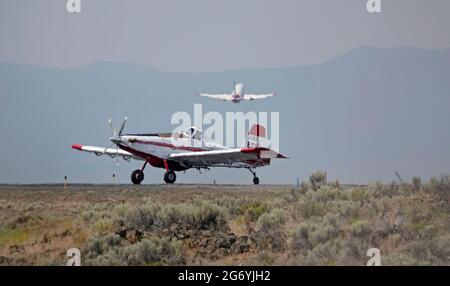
[[314, 224]]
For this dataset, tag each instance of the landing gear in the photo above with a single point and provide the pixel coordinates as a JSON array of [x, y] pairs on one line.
[[137, 176], [170, 177], [255, 179]]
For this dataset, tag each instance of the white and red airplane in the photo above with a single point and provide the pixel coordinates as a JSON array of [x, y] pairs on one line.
[[184, 150], [237, 95]]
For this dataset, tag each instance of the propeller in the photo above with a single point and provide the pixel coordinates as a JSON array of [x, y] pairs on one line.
[[112, 128], [114, 131], [234, 87], [123, 125], [116, 136]]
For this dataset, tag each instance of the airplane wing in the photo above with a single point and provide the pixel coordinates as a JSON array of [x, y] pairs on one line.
[[112, 152], [250, 96], [228, 156], [217, 96]]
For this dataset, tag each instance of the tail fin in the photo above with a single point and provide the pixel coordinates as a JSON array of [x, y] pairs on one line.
[[254, 135]]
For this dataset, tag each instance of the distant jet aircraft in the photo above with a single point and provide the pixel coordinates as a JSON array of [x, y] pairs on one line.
[[237, 95], [184, 150]]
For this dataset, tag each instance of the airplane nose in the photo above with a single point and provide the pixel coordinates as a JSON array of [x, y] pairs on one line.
[[115, 140]]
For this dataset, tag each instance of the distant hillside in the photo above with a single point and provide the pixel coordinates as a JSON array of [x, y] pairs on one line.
[[359, 116]]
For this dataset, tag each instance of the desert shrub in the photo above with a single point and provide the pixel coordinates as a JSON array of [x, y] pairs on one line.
[[99, 207], [318, 179], [295, 194], [304, 187], [300, 238], [324, 200], [25, 221], [277, 202], [306, 209], [141, 218], [88, 216], [103, 226], [359, 195], [383, 229], [3, 204], [439, 186], [360, 228], [201, 214], [326, 253], [91, 216], [353, 251], [380, 207], [440, 249], [169, 215], [319, 235], [13, 236], [401, 259], [109, 258], [238, 205], [205, 214], [307, 259], [151, 251], [270, 220], [315, 232], [101, 245], [417, 183], [326, 229], [265, 259], [326, 194], [121, 210], [345, 209], [381, 190], [269, 234], [336, 185], [252, 213], [255, 211], [435, 251]]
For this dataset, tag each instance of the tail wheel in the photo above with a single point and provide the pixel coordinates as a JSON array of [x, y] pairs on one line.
[[170, 177], [256, 180], [137, 176]]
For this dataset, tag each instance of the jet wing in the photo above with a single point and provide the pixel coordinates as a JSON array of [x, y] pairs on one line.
[[112, 152], [217, 96], [227, 156], [250, 96]]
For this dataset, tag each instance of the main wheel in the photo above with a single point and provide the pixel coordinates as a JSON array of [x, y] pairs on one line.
[[137, 176], [256, 180], [170, 177]]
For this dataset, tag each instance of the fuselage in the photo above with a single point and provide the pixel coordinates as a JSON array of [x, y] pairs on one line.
[[156, 148], [238, 93]]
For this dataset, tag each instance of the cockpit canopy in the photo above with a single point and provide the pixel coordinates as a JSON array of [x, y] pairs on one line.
[[194, 133]]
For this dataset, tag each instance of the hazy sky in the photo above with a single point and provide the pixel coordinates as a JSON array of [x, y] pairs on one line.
[[204, 35], [406, 90]]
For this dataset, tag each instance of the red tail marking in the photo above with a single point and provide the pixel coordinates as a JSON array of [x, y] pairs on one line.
[[77, 146], [258, 131]]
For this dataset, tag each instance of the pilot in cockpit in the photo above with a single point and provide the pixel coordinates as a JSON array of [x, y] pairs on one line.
[[195, 133]]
